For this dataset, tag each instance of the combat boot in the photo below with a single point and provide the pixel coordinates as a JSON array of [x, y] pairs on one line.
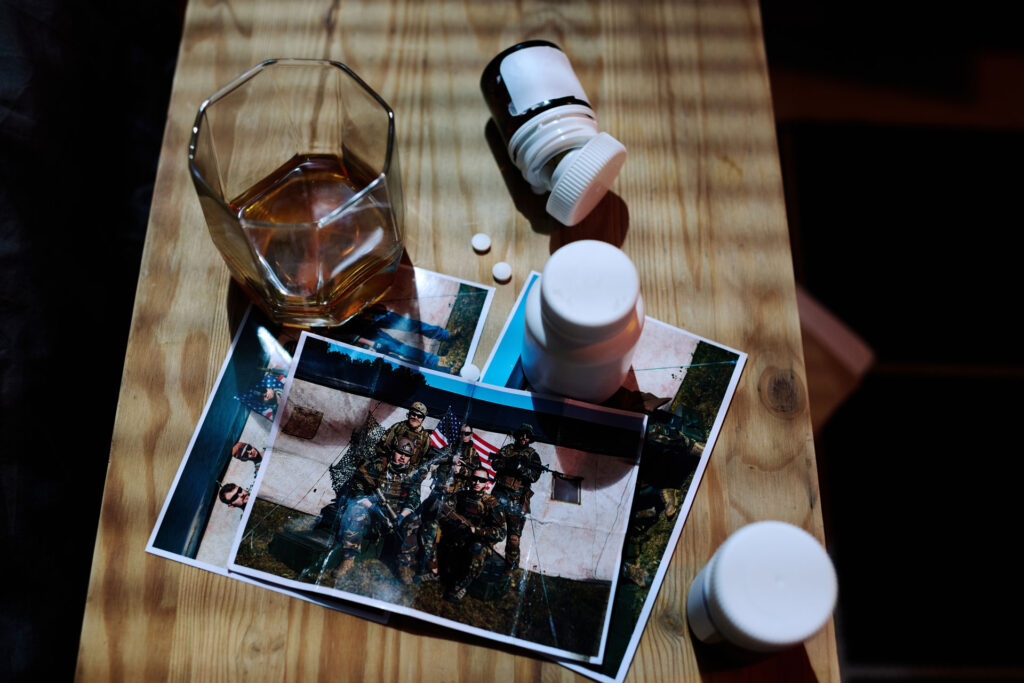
[[515, 579], [429, 572], [342, 569], [456, 594], [635, 574], [406, 574], [671, 499]]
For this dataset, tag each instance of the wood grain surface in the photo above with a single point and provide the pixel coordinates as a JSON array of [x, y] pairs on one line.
[[698, 207]]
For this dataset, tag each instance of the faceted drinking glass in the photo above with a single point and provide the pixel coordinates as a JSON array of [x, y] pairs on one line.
[[296, 168]]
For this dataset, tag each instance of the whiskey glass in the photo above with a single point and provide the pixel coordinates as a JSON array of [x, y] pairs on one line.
[[296, 168]]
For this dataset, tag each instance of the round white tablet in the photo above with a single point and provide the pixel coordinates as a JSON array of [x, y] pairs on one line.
[[481, 243], [502, 272], [470, 372]]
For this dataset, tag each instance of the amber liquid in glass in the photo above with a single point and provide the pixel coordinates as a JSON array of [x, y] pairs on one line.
[[320, 260]]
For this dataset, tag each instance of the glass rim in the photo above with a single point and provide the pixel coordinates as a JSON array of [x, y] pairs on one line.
[[244, 78]]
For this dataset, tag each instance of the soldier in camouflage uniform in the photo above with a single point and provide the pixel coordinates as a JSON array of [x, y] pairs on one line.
[[649, 500], [468, 459], [471, 523], [383, 494], [411, 428], [516, 467], [449, 475]]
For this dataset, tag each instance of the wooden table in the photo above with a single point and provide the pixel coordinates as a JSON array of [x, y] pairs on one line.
[[698, 207]]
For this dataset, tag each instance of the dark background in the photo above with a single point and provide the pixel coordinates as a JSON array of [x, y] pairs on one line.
[[901, 136], [84, 88]]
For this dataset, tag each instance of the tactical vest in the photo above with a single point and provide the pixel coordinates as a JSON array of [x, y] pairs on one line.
[[473, 508], [420, 440], [508, 478], [395, 488]]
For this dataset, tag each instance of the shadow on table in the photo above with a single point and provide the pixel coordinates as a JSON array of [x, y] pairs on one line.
[[419, 627], [608, 222], [718, 661]]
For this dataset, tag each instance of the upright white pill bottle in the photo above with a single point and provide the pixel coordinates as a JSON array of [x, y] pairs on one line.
[[583, 321], [770, 586]]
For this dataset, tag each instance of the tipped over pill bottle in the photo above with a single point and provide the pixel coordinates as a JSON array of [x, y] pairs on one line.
[[549, 128], [770, 586], [583, 320]]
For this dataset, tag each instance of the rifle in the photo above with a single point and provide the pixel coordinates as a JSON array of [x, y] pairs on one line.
[[391, 519], [447, 513], [464, 528], [544, 468], [438, 456]]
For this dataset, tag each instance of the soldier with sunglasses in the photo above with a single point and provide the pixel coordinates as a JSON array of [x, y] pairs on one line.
[[449, 475], [467, 459], [472, 521], [411, 428]]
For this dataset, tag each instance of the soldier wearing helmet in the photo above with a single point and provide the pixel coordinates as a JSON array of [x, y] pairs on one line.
[[516, 467], [383, 495], [410, 428]]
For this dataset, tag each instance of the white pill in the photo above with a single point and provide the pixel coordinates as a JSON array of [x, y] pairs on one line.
[[481, 243], [470, 372], [502, 272]]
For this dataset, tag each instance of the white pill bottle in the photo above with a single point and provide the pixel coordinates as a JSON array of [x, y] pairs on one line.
[[583, 320], [549, 128], [770, 586]]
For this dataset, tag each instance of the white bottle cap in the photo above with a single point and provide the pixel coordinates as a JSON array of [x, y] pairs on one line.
[[769, 586], [589, 290], [583, 177]]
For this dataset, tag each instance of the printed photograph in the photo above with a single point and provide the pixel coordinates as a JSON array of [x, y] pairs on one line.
[[204, 506], [490, 511], [426, 319], [200, 516], [684, 384]]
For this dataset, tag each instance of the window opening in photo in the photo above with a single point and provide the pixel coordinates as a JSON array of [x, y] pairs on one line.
[[566, 490]]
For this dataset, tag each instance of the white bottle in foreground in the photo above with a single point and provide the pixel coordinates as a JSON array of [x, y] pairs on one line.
[[768, 587], [583, 320]]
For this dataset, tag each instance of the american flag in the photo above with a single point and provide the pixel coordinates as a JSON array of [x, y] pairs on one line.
[[448, 431], [253, 398]]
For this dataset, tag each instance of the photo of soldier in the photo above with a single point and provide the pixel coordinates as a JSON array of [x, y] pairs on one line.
[[449, 474], [467, 459], [412, 429], [331, 517], [651, 504], [517, 466], [471, 521], [233, 495], [233, 433], [246, 452], [370, 328], [383, 496]]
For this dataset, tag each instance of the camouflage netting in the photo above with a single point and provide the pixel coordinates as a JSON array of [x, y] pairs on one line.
[[361, 448]]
